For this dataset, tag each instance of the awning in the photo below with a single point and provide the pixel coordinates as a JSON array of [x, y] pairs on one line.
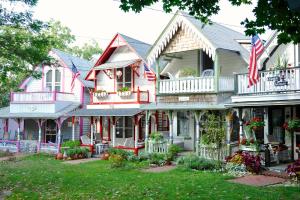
[[5, 113], [105, 112], [183, 106], [117, 64]]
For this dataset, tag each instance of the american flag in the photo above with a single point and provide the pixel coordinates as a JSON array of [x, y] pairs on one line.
[[75, 74], [149, 74], [257, 50]]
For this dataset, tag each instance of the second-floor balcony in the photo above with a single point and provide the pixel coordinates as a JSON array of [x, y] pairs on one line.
[[41, 97], [196, 85], [272, 81], [125, 97]]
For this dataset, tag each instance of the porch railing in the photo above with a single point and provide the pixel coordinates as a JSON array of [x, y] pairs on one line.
[[49, 148], [195, 85], [21, 97], [11, 146], [157, 146], [278, 81], [212, 152]]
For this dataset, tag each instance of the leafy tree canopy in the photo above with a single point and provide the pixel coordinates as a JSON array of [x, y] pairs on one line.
[[272, 14], [25, 42]]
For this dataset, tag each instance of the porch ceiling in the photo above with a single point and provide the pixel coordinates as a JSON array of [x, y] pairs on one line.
[[183, 106], [105, 112], [5, 113], [263, 103], [117, 64]]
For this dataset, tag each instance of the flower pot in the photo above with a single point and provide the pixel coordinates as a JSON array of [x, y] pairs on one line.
[[59, 156], [257, 128]]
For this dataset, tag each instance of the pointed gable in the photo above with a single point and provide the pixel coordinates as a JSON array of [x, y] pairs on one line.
[[208, 37]]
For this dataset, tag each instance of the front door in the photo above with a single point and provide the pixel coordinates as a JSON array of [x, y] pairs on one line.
[[276, 124], [50, 132]]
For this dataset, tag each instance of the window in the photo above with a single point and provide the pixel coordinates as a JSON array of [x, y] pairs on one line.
[[124, 127], [124, 77], [49, 80], [183, 124], [162, 121], [53, 80], [57, 83], [235, 128]]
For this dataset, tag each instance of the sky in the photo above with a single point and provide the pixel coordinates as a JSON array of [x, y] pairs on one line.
[[102, 19]]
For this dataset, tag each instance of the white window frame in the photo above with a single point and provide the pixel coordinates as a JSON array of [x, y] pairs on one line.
[[124, 128], [123, 78], [54, 84]]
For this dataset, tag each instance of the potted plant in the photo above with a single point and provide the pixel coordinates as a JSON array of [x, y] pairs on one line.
[[124, 92], [256, 123], [101, 93]]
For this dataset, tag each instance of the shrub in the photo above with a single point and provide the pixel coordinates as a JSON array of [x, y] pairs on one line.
[[157, 159], [174, 149], [235, 169], [141, 157], [71, 144], [252, 162], [192, 161], [156, 136], [114, 151], [117, 161], [293, 170]]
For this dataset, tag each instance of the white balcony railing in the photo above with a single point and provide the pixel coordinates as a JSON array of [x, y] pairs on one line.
[[115, 97], [195, 85], [278, 81], [32, 97]]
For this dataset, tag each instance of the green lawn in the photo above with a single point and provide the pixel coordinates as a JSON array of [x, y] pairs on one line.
[[42, 177]]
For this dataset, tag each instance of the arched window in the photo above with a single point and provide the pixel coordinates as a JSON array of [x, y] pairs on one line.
[[57, 83], [49, 80], [53, 80]]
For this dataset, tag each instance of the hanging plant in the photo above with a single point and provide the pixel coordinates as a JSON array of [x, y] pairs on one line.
[[292, 125]]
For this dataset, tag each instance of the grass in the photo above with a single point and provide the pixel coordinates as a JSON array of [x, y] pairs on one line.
[[42, 177], [5, 153]]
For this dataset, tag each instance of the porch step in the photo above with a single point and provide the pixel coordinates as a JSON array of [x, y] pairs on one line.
[[276, 174]]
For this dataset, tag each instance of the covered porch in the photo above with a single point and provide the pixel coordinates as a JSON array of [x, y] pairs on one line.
[[122, 128], [185, 127], [35, 132]]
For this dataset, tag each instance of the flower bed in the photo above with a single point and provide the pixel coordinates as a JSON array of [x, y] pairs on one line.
[[242, 162], [293, 170]]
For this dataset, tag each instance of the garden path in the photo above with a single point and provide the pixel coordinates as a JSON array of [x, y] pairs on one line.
[[258, 180]]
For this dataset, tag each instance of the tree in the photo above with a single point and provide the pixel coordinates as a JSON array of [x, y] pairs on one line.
[[88, 50], [272, 14]]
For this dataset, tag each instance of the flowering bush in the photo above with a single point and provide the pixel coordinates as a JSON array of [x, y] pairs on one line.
[[293, 170], [252, 162], [255, 122], [292, 124], [116, 161]]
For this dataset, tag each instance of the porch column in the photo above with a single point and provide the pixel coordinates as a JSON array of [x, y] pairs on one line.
[[92, 130], [59, 123], [40, 124], [114, 131], [101, 127], [170, 116], [136, 132], [73, 128], [18, 136], [156, 121], [197, 119], [147, 129], [228, 127]]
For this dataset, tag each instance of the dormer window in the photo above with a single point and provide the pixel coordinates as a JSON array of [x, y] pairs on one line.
[[53, 80], [124, 77]]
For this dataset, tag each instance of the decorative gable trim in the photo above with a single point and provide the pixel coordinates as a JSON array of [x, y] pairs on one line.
[[180, 21]]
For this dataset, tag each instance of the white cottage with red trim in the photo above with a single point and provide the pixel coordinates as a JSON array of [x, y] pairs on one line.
[[120, 88], [40, 109]]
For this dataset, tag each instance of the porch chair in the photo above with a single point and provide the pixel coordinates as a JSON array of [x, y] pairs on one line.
[[207, 72], [86, 142], [271, 142]]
